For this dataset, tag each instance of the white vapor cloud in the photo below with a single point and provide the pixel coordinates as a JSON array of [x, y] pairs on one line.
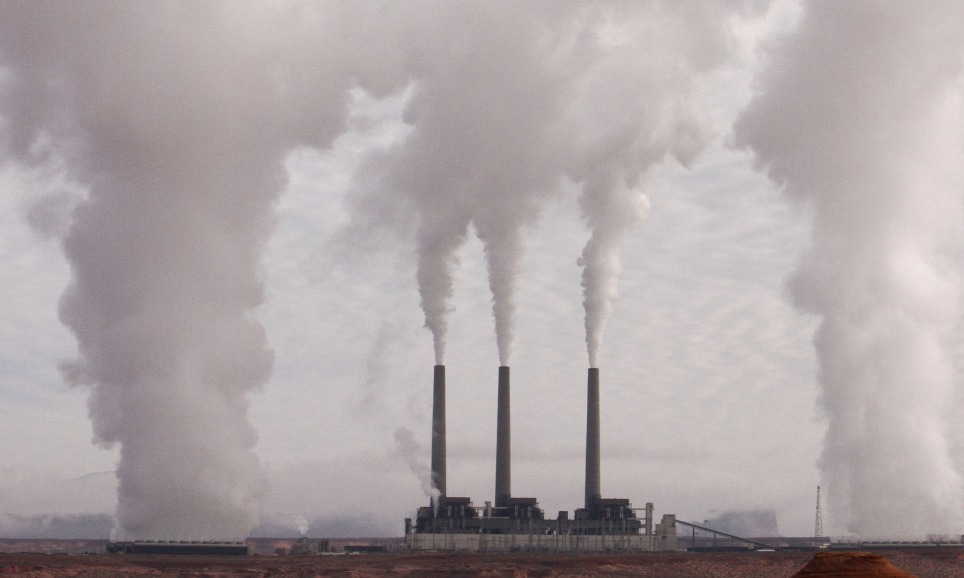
[[859, 117], [236, 220]]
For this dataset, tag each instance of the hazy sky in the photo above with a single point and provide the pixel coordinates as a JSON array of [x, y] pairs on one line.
[[710, 383]]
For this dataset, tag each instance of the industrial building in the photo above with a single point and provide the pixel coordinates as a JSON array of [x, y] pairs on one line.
[[516, 523]]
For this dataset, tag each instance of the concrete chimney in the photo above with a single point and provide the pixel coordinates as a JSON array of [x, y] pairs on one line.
[[438, 430], [592, 439], [503, 451]]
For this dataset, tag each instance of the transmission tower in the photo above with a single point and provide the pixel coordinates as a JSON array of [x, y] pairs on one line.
[[818, 521]]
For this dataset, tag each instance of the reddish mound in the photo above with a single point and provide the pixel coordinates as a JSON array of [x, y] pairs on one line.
[[850, 564]]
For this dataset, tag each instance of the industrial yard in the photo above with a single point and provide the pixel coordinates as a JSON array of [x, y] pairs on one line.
[[924, 563], [518, 523]]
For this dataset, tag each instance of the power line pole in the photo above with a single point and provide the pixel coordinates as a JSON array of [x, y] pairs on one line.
[[818, 521]]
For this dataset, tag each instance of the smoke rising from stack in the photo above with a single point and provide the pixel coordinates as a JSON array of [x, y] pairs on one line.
[[601, 266], [528, 97], [480, 150], [302, 524], [625, 143], [176, 117], [860, 119], [410, 451]]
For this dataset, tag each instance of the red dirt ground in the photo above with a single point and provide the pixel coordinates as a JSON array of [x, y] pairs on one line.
[[855, 564], [929, 563]]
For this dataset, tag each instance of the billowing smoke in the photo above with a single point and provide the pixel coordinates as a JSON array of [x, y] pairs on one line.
[[302, 524], [176, 117], [411, 452], [511, 101], [482, 151], [643, 100], [860, 118]]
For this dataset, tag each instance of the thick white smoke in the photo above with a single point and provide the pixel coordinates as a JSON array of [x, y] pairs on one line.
[[302, 524], [176, 117], [860, 117], [643, 100], [482, 152], [511, 100]]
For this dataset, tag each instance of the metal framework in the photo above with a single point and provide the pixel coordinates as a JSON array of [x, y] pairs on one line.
[[694, 527]]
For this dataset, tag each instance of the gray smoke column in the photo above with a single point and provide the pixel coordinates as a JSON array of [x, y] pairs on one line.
[[437, 263], [859, 118], [481, 152], [511, 100], [503, 251], [503, 442], [176, 117], [624, 143]]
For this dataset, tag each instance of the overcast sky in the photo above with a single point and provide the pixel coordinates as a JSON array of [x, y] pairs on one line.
[[709, 378]]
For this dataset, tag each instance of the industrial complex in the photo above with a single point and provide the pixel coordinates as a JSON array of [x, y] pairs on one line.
[[517, 523]]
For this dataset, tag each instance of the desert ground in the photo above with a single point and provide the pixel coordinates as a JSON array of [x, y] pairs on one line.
[[924, 563]]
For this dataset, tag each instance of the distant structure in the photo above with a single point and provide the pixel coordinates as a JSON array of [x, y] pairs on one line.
[[178, 548], [515, 523], [818, 520]]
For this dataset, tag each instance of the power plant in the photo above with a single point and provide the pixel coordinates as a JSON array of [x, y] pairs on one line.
[[517, 523]]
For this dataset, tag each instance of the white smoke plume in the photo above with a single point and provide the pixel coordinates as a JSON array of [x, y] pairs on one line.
[[643, 100], [481, 148], [411, 452], [530, 95], [302, 524], [860, 118], [176, 117]]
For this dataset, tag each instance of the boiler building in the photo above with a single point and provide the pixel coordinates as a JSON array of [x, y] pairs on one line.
[[515, 523]]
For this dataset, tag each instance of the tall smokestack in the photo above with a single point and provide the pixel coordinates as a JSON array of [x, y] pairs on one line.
[[438, 431], [503, 451], [592, 439]]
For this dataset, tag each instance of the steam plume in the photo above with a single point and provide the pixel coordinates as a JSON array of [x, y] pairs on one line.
[[410, 451], [530, 95], [860, 118], [176, 116], [437, 263], [480, 151], [302, 524], [640, 102], [613, 211]]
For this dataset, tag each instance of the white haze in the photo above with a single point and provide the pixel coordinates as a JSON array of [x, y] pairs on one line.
[[529, 97], [176, 117], [302, 523], [413, 454], [163, 128], [860, 118]]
